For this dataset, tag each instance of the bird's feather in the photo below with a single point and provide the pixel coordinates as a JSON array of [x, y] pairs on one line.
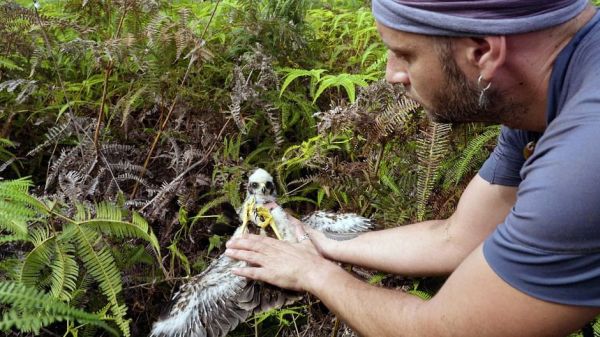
[[342, 226]]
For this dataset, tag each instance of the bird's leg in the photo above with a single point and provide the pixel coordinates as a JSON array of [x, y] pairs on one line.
[[247, 209], [267, 220]]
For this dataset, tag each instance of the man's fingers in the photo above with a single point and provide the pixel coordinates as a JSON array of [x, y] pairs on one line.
[[254, 273], [246, 255], [250, 242]]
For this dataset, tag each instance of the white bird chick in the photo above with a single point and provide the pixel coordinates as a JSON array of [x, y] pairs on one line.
[[261, 187], [261, 190]]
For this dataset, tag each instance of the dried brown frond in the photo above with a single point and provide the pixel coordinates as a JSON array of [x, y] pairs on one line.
[[253, 77], [380, 112]]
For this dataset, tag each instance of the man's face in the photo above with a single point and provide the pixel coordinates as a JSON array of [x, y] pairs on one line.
[[427, 68]]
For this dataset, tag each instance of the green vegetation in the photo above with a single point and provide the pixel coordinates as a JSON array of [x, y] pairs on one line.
[[131, 118]]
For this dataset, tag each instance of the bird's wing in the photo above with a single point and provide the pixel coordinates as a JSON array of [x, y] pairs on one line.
[[342, 226], [210, 304]]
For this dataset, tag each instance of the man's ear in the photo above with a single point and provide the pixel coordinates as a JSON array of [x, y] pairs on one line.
[[485, 54]]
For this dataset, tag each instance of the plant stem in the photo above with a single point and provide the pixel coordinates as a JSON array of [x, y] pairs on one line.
[[102, 101], [166, 120], [107, 74]]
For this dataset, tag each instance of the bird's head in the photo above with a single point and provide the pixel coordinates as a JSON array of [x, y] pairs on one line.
[[261, 186]]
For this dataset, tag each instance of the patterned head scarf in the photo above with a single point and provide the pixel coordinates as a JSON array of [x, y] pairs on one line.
[[475, 18]]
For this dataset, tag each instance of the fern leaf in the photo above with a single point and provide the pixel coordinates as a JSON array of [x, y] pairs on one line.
[[7, 63], [10, 238], [37, 259], [101, 265], [348, 81], [109, 221], [431, 149], [208, 206], [468, 158], [314, 74], [17, 207], [131, 100], [421, 294], [33, 309], [54, 134], [64, 272]]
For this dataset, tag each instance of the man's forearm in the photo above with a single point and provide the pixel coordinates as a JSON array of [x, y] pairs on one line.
[[426, 248], [431, 247], [369, 310]]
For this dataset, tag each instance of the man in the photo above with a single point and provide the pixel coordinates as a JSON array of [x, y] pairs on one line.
[[523, 245]]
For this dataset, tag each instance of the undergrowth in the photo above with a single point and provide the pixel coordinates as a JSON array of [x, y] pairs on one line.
[[137, 122]]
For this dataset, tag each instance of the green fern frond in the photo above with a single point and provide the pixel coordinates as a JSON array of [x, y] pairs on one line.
[[387, 179], [10, 268], [17, 207], [208, 206], [10, 238], [109, 221], [58, 257], [292, 74], [309, 154], [348, 81], [7, 63], [37, 260], [471, 156], [64, 272], [101, 265], [431, 149], [32, 309]]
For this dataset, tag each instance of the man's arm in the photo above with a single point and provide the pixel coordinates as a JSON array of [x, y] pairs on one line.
[[430, 247], [473, 302]]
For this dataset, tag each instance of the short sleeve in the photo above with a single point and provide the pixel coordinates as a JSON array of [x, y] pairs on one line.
[[549, 244], [505, 162]]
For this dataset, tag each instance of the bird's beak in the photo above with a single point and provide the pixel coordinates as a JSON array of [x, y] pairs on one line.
[[263, 188]]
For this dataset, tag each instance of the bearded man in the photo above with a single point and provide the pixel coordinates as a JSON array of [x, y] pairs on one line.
[[523, 246]]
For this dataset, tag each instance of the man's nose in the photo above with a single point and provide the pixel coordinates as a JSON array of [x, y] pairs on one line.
[[395, 71]]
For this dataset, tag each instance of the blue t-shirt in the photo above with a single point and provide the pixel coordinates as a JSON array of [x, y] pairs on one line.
[[549, 244]]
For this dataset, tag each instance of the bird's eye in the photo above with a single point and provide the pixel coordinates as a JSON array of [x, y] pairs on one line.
[[254, 185], [269, 185]]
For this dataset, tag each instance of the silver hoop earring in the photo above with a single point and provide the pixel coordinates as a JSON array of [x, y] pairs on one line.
[[483, 101]]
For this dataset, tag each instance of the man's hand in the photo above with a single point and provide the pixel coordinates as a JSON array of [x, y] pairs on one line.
[[322, 243], [296, 266]]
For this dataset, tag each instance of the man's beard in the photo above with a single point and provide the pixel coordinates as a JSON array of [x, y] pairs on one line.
[[458, 99]]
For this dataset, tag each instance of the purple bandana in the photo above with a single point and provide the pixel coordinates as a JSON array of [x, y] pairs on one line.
[[475, 18]]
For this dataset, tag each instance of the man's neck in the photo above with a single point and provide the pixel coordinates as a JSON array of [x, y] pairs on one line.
[[534, 55]]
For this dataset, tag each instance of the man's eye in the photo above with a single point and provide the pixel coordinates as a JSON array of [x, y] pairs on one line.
[[401, 56]]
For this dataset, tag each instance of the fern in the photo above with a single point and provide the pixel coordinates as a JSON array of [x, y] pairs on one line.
[[32, 309], [7, 63], [348, 81], [53, 262], [431, 149], [63, 267], [17, 208], [310, 154], [318, 83], [292, 74], [471, 156], [109, 221]]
